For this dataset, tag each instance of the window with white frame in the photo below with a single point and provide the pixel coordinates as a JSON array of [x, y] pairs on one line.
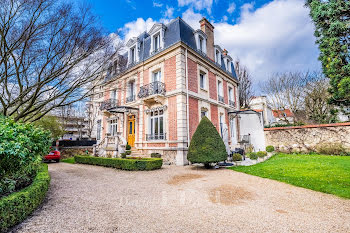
[[201, 41], [233, 130], [204, 112], [131, 91], [133, 54], [156, 77], [230, 96], [156, 42], [202, 80], [114, 97], [217, 56], [220, 92], [228, 65], [113, 127], [156, 130]]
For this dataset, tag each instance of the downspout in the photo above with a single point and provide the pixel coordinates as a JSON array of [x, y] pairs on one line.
[[187, 103]]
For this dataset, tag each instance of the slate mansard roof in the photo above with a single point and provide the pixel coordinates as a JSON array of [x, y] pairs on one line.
[[175, 31]]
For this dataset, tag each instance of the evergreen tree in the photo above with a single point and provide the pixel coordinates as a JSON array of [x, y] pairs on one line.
[[332, 22], [206, 145]]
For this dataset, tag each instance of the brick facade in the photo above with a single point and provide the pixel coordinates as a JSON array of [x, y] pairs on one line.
[[194, 118], [213, 94], [172, 118], [192, 76], [214, 116], [170, 74]]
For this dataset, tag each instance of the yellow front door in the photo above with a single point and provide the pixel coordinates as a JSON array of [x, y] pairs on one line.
[[131, 130]]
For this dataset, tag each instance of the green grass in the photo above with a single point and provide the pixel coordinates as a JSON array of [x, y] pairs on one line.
[[68, 160], [324, 173]]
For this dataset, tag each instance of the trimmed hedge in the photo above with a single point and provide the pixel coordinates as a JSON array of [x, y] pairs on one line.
[[129, 164], [15, 207]]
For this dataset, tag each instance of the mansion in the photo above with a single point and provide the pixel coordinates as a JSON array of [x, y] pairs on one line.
[[174, 75]]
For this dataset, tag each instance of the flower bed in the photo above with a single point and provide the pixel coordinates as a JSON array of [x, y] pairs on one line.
[[15, 207], [131, 164]]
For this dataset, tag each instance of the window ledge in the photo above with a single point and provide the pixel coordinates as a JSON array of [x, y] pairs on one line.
[[204, 89]]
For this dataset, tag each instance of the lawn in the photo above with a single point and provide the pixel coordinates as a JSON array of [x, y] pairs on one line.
[[68, 160], [324, 173]]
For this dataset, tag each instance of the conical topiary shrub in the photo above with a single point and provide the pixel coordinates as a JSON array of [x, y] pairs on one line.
[[206, 145]]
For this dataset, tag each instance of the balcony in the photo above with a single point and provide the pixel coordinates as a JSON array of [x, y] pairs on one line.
[[130, 98], [160, 136], [154, 88], [108, 104], [232, 103], [221, 98]]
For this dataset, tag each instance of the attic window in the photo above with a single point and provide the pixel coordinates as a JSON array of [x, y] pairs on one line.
[[201, 43], [156, 42], [217, 56], [133, 54]]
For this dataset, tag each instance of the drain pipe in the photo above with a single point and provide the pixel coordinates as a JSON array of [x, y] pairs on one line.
[[187, 103]]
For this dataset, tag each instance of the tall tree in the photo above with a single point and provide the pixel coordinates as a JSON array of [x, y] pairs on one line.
[[245, 84], [332, 22], [50, 52]]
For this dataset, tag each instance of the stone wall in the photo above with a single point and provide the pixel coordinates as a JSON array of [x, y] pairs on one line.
[[308, 137], [67, 152]]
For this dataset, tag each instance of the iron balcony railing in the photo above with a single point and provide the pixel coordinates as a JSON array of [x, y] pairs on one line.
[[232, 103], [154, 88], [160, 136], [221, 98], [130, 98], [108, 104], [244, 139]]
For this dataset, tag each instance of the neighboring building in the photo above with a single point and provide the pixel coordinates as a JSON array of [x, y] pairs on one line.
[[259, 104], [283, 116], [75, 127], [174, 76]]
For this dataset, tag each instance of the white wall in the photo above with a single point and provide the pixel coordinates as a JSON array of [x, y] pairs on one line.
[[250, 123]]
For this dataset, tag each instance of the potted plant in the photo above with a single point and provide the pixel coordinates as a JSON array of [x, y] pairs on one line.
[[253, 157], [237, 158], [261, 155]]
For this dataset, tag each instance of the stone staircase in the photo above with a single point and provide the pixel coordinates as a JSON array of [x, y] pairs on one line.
[[136, 152]]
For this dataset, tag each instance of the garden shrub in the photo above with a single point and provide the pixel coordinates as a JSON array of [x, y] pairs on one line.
[[123, 155], [128, 147], [15, 207], [131, 164], [253, 156], [156, 155], [331, 149], [270, 148], [206, 144], [261, 154], [21, 149], [128, 152], [237, 157]]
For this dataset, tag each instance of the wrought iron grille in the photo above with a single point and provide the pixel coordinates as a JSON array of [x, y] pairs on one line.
[[154, 88], [108, 104], [160, 136]]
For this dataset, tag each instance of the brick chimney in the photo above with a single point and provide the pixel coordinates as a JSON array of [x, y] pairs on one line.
[[208, 29], [224, 52]]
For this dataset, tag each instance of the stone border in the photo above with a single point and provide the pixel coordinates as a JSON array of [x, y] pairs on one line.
[[308, 126]]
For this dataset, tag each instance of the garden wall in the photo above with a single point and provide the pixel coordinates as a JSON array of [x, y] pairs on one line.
[[308, 137]]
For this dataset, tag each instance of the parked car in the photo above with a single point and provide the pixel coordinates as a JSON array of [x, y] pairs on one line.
[[53, 155]]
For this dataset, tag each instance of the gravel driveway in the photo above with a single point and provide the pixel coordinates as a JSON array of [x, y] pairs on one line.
[[85, 198]]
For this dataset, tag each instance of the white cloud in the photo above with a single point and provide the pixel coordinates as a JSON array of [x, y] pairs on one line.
[[231, 7], [135, 28], [197, 4], [192, 18], [169, 12], [157, 4]]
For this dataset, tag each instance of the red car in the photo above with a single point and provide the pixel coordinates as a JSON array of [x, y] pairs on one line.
[[53, 155]]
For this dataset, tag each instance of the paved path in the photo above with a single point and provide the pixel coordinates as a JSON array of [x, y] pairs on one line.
[[85, 198]]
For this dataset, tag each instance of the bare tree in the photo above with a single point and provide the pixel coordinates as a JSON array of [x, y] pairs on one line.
[[245, 84], [317, 106], [49, 54], [287, 91]]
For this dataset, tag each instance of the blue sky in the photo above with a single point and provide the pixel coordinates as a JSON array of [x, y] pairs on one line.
[[266, 36]]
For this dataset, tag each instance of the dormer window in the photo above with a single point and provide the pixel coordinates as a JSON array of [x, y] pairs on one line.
[[156, 42], [217, 56], [157, 37], [218, 52], [201, 43], [133, 55]]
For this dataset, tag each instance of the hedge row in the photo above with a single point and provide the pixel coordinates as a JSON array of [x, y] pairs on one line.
[[15, 207], [124, 164]]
